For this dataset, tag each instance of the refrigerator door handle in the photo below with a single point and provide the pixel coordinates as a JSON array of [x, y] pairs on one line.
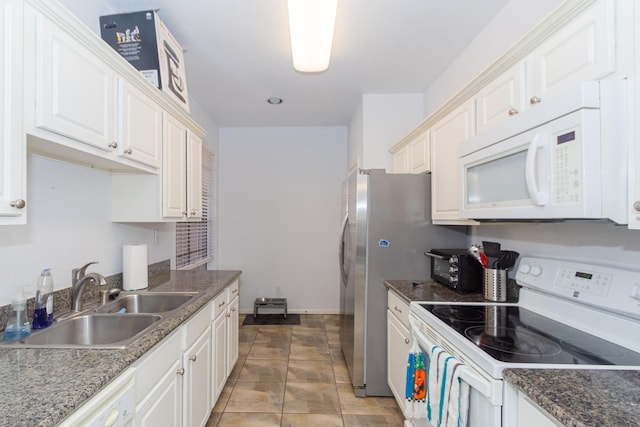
[[343, 228]]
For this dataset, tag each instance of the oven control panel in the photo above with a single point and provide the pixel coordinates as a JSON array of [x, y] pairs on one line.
[[610, 287]]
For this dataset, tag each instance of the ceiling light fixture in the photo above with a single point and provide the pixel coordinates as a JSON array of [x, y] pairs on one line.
[[274, 100], [311, 24]]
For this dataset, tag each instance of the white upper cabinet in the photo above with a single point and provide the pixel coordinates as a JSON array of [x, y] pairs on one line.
[[584, 49], [502, 98], [174, 168], [139, 126], [446, 136], [13, 186], [420, 154], [401, 160], [194, 176], [74, 90]]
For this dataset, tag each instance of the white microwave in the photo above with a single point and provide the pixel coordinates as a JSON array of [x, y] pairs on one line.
[[563, 159]]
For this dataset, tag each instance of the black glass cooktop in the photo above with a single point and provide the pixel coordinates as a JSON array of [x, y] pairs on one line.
[[517, 335]]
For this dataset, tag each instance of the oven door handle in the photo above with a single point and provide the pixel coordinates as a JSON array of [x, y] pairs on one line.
[[491, 389]]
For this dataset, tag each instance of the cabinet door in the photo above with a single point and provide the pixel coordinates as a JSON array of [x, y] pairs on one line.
[[502, 98], [75, 90], [401, 161], [233, 325], [197, 381], [174, 165], [420, 154], [163, 405], [13, 151], [583, 50], [194, 176], [531, 415], [446, 135], [139, 126], [397, 352], [219, 353]]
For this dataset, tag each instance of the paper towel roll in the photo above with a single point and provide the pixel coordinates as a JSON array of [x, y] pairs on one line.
[[134, 267]]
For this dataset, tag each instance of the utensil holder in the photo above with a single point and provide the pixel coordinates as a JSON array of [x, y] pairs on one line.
[[495, 285]]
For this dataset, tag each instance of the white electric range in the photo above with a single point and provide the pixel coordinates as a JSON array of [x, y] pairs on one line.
[[570, 315]]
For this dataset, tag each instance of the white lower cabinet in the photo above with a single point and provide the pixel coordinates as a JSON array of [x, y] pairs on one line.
[[172, 381], [398, 343], [224, 337]]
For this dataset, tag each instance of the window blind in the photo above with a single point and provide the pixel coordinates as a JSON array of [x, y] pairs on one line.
[[194, 240]]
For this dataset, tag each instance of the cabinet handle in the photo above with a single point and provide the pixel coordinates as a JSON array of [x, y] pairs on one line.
[[221, 304], [513, 111], [180, 371], [395, 307], [233, 309], [193, 358], [18, 203], [228, 314], [636, 206], [235, 291], [128, 151], [113, 144], [184, 213], [406, 340], [193, 213], [535, 100]]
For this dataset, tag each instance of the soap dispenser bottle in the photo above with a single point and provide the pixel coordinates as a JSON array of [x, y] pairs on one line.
[[43, 310], [18, 326]]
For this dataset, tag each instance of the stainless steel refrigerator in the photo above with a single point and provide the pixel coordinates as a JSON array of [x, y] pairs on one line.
[[386, 230]]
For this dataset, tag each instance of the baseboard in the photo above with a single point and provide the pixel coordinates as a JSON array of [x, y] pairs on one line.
[[295, 311]]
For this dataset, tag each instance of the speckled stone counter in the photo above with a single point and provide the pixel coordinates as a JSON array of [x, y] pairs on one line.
[[40, 387], [581, 398], [432, 291]]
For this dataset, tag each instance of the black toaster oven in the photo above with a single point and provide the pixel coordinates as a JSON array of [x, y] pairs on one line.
[[457, 269]]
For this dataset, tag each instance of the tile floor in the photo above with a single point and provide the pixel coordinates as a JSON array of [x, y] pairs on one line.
[[296, 376]]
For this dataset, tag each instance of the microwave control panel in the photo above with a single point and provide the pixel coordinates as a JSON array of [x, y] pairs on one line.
[[567, 156]]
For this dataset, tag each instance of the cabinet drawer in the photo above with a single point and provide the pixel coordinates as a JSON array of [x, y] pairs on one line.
[[219, 304], [398, 307], [196, 326], [232, 291]]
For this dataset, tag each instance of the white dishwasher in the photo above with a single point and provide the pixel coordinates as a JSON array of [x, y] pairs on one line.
[[113, 406]]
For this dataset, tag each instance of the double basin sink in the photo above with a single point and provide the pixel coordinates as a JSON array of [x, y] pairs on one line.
[[110, 326]]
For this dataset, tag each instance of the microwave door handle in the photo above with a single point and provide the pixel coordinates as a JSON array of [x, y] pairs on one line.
[[539, 198], [343, 230]]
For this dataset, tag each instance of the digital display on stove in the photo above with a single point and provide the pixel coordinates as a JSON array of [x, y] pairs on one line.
[[517, 335], [581, 275]]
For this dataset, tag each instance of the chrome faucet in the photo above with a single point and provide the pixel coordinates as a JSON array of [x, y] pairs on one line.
[[78, 282]]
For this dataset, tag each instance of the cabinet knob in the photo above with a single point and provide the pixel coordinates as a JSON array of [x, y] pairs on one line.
[[128, 151], [535, 100], [406, 340], [18, 203], [193, 213], [395, 307], [228, 314], [193, 358], [636, 205], [513, 111], [113, 144], [233, 309], [184, 213], [180, 371]]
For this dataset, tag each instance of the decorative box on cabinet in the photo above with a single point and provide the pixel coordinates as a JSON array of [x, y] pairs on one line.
[[446, 135], [13, 185], [398, 343]]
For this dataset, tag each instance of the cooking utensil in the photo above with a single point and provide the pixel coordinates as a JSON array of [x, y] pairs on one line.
[[477, 253], [492, 251]]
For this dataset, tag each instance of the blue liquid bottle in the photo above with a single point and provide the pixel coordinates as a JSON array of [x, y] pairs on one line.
[[18, 326], [43, 310]]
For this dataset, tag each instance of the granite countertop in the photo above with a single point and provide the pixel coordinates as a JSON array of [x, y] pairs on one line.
[[41, 387], [582, 398], [575, 397]]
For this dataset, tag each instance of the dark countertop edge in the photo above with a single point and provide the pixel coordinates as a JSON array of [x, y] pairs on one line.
[[429, 290], [582, 397], [208, 283]]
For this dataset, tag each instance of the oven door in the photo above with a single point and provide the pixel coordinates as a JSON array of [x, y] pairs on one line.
[[485, 394]]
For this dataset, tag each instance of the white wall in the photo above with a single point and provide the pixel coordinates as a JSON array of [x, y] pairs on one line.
[[378, 123], [279, 211], [68, 210]]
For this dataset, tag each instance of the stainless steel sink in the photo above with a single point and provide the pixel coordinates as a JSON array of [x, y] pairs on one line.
[[94, 331], [152, 302]]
